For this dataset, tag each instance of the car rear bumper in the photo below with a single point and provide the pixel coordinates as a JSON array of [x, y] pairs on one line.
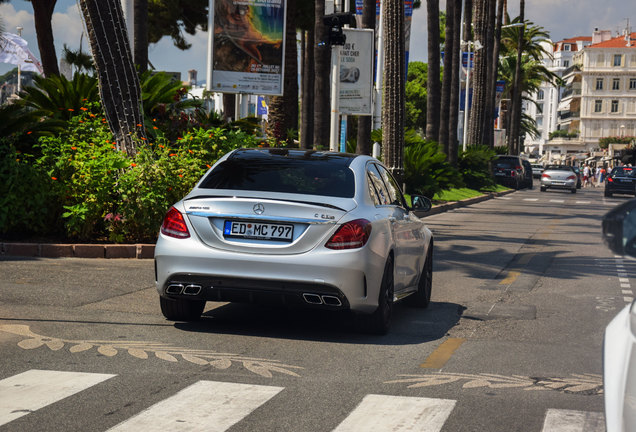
[[558, 184], [348, 279], [620, 188]]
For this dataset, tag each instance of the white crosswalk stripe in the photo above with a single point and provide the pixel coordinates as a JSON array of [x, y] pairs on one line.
[[573, 421], [35, 389], [377, 413], [204, 406], [217, 406]]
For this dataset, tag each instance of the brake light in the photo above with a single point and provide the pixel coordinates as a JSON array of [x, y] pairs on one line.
[[513, 173], [572, 177], [351, 235], [518, 167], [609, 179], [545, 176], [174, 225]]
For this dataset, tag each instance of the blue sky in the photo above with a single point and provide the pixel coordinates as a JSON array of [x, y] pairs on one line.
[[562, 18]]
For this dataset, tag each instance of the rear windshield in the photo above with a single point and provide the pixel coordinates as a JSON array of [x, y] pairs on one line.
[[505, 163], [559, 168], [624, 171], [287, 175]]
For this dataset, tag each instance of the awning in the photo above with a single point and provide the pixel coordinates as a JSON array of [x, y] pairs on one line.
[[564, 105]]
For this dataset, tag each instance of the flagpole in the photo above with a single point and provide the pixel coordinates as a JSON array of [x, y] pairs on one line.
[[19, 68]]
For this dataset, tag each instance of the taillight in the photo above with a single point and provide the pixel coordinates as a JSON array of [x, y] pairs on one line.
[[517, 167], [572, 177], [609, 179], [545, 176], [351, 235], [174, 225], [513, 173]]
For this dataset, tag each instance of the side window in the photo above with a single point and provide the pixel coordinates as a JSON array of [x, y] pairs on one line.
[[395, 194], [375, 180], [372, 191]]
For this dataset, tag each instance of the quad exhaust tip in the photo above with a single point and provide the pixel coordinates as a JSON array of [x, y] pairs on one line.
[[192, 290], [317, 299], [174, 289], [179, 289]]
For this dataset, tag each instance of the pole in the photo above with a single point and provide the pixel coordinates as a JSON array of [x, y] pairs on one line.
[[343, 122], [466, 99], [334, 137], [19, 67], [208, 75], [461, 55], [377, 100]]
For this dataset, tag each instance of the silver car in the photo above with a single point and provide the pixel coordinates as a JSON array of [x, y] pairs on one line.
[[295, 227], [558, 177]]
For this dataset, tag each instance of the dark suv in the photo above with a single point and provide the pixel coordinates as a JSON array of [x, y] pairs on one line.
[[512, 171], [621, 180]]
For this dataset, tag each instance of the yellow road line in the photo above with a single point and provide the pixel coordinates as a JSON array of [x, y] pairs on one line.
[[443, 353], [512, 276]]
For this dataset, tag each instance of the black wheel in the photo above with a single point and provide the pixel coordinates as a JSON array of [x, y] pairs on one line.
[[543, 188], [422, 297], [608, 193], [181, 310], [379, 321]]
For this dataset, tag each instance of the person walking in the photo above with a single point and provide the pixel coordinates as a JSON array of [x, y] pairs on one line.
[[586, 175]]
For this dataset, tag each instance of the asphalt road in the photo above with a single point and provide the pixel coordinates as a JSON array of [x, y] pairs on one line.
[[523, 288]]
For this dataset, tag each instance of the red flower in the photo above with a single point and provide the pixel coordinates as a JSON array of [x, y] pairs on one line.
[[84, 109], [71, 109], [73, 148], [53, 178], [133, 164]]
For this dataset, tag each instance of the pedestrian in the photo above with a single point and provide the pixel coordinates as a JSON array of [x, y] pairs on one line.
[[602, 174], [586, 175], [598, 175]]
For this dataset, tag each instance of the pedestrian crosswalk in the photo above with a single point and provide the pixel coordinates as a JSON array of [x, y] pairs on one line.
[[217, 406]]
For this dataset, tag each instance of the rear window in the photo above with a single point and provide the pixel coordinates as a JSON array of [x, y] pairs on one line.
[[287, 175], [623, 171], [506, 163], [559, 168]]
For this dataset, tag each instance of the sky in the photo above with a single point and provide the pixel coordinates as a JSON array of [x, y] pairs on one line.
[[562, 19]]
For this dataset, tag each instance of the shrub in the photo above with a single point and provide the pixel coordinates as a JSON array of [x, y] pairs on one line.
[[426, 171], [474, 164]]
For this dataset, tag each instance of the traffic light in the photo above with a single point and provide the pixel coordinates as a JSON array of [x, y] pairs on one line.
[[334, 23]]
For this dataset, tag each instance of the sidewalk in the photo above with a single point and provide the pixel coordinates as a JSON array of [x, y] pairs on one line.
[[147, 251]]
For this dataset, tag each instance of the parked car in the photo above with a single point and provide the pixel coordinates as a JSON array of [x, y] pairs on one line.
[[510, 171], [527, 174], [299, 228], [621, 180], [536, 170], [558, 177], [619, 343]]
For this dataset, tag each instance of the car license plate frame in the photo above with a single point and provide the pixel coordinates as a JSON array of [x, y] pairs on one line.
[[268, 231]]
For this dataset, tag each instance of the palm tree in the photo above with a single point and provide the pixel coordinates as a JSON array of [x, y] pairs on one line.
[[394, 88], [42, 15], [515, 97], [119, 83], [448, 76], [454, 97], [433, 86], [306, 23], [495, 61], [140, 27], [322, 62]]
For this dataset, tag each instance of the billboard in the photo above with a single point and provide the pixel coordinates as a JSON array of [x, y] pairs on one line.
[[248, 46], [356, 72]]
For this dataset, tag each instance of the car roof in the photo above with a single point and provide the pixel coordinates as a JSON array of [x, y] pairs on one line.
[[282, 154]]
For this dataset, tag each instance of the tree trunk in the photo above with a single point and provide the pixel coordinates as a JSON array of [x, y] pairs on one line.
[[365, 123], [322, 83], [495, 60], [489, 45], [394, 88], [42, 15], [454, 97], [433, 84], [118, 80], [479, 77], [141, 34], [307, 118], [515, 103], [283, 110], [448, 77]]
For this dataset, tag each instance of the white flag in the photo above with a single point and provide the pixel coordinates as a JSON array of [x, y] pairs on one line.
[[13, 49]]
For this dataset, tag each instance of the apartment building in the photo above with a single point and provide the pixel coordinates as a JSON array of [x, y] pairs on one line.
[[598, 99]]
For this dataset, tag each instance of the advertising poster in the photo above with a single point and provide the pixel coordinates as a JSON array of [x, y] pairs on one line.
[[249, 46], [356, 72]]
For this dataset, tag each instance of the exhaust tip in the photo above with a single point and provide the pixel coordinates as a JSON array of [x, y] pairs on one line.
[[192, 290], [312, 298], [331, 300], [174, 289]]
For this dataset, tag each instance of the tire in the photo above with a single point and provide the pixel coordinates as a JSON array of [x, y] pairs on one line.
[[422, 297], [181, 310], [379, 321], [543, 188], [573, 190], [608, 193]]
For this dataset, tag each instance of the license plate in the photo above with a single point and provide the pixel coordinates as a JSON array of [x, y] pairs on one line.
[[500, 174], [258, 230]]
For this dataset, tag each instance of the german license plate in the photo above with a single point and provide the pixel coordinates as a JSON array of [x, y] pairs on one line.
[[258, 230]]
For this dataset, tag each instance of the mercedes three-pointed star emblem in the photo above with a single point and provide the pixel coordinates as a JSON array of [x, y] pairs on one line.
[[259, 209]]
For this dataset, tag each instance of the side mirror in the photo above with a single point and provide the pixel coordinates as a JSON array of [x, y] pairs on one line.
[[420, 203], [619, 229]]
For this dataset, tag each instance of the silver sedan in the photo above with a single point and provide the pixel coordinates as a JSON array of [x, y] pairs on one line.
[[300, 228], [558, 177]]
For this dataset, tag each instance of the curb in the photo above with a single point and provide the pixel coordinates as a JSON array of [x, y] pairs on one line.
[[147, 251], [46, 250]]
